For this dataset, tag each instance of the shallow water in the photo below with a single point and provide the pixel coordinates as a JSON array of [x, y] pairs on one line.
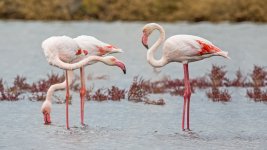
[[239, 124]]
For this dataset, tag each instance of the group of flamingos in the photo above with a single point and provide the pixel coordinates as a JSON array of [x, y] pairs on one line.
[[70, 54]]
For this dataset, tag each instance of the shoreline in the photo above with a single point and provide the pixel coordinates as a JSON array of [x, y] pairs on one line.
[[137, 10], [141, 22]]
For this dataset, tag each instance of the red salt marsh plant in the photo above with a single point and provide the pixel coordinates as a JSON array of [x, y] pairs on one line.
[[39, 88], [100, 95], [43, 84], [239, 81], [201, 82], [21, 84], [217, 95], [139, 90], [258, 76], [169, 83], [116, 94], [12, 93], [113, 93], [217, 75], [257, 94]]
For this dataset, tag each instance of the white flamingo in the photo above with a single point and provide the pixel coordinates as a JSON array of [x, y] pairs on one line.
[[183, 49], [60, 51], [88, 46]]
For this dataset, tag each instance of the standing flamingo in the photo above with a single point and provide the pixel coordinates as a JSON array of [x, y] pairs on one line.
[[183, 49], [60, 51], [89, 46]]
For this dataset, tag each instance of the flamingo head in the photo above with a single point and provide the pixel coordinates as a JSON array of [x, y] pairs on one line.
[[147, 30], [46, 110], [113, 61]]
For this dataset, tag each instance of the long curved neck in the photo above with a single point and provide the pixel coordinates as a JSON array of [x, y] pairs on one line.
[[58, 86], [67, 66], [150, 53]]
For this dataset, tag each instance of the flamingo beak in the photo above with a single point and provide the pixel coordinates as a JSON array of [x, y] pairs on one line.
[[47, 119], [144, 40], [122, 66]]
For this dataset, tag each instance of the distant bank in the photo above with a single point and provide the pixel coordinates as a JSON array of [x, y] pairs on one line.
[[136, 10]]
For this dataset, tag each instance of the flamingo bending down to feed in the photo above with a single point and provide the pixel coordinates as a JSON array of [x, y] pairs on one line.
[[60, 51], [183, 49]]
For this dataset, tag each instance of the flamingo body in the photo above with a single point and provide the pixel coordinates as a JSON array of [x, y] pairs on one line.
[[60, 46], [189, 48]]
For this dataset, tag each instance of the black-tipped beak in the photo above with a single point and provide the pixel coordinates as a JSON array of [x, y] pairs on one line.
[[122, 66], [146, 46], [144, 40]]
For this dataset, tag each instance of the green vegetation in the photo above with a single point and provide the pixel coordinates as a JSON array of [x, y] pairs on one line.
[[136, 10]]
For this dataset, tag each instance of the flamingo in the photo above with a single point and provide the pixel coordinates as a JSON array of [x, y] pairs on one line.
[[183, 49], [89, 46], [60, 51]]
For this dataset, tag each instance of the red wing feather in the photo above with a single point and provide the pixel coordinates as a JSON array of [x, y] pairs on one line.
[[207, 48]]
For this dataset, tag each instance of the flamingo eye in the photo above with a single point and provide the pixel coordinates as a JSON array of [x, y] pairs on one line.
[[113, 59]]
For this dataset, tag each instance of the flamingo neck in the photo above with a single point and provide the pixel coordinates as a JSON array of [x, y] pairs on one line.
[[150, 53], [58, 86], [52, 89], [84, 62]]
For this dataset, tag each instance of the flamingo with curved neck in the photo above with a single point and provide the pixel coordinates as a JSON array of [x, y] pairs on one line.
[[183, 49], [60, 49]]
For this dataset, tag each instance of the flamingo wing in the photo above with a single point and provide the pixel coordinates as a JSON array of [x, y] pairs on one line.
[[89, 43], [207, 48], [189, 45]]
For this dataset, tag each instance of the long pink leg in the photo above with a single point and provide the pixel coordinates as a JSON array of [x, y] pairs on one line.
[[188, 97], [82, 94], [183, 113], [187, 93], [67, 100]]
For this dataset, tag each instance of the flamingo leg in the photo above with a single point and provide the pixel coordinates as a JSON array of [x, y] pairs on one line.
[[183, 113], [82, 94], [187, 96], [67, 100]]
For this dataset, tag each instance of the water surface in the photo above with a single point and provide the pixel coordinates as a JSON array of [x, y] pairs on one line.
[[239, 124]]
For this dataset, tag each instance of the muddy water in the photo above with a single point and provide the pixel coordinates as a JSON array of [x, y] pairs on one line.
[[240, 124]]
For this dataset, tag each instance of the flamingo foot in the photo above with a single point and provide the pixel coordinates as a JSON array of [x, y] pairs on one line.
[[47, 119], [187, 129]]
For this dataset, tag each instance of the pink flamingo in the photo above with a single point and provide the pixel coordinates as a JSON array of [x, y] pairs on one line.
[[183, 49], [61, 51], [89, 46]]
